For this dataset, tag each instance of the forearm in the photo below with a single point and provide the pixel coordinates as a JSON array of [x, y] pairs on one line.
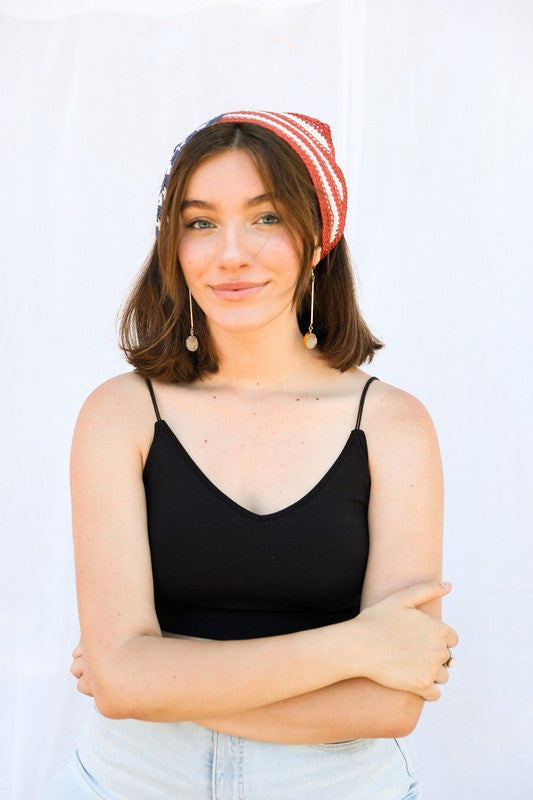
[[164, 679], [158, 679], [352, 709]]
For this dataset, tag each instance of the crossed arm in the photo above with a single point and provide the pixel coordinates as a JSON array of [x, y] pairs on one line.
[[350, 709], [353, 709], [405, 524], [315, 702]]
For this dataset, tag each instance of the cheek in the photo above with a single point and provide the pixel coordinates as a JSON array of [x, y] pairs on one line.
[[194, 257], [265, 255]]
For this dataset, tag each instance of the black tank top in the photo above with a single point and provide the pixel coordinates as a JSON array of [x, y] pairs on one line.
[[223, 572]]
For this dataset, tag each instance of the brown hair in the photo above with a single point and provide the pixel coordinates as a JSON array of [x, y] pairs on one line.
[[155, 319]]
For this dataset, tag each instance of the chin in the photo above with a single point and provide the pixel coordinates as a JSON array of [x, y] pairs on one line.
[[242, 324], [241, 327]]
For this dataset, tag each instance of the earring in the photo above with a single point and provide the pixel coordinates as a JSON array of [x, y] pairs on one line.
[[310, 339], [191, 343]]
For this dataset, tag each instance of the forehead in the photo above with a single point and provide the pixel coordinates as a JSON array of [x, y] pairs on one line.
[[229, 172]]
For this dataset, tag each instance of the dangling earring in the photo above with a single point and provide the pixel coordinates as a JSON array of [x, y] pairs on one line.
[[191, 343], [310, 339]]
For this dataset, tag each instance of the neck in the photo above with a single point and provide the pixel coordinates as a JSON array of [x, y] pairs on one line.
[[268, 358]]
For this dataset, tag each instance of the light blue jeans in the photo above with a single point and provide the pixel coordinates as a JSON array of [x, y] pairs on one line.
[[128, 759]]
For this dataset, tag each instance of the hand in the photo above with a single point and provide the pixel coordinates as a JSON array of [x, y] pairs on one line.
[[79, 669], [407, 648]]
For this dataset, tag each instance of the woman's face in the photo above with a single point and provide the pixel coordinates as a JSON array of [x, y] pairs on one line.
[[234, 249]]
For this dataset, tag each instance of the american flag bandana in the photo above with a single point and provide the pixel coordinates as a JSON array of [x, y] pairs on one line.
[[311, 140]]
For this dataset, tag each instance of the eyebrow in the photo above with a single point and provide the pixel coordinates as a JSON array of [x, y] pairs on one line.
[[254, 201]]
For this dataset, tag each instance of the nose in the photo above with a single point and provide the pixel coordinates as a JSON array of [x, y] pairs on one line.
[[234, 251]]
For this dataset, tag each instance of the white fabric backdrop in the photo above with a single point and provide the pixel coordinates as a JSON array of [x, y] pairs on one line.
[[430, 106]]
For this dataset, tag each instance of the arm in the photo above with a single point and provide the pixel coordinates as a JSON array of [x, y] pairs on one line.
[[405, 527], [353, 709], [134, 671], [326, 714]]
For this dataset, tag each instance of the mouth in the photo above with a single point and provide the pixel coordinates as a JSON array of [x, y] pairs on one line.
[[237, 290]]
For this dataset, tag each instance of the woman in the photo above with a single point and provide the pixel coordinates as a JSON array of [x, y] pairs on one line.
[[256, 622]]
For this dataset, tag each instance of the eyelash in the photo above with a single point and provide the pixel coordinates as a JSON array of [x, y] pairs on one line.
[[270, 214], [193, 222]]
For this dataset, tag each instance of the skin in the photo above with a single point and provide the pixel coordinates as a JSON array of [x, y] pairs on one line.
[[280, 416]]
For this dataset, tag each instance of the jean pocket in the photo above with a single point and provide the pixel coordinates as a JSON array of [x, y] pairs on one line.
[[339, 747]]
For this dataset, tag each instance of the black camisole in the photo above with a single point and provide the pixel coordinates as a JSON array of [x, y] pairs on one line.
[[223, 572]]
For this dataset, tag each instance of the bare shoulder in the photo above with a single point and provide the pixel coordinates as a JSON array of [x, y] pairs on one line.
[[118, 397], [392, 414], [121, 400], [116, 413]]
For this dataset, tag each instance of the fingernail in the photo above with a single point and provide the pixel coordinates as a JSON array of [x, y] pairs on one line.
[[445, 584]]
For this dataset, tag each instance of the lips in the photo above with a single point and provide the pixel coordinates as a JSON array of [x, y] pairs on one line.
[[237, 290], [236, 286]]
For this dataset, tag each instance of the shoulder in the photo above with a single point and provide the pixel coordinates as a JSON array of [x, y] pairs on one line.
[[397, 425], [387, 406], [120, 409], [119, 396]]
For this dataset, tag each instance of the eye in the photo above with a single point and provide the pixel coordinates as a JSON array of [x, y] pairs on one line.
[[269, 219], [199, 224]]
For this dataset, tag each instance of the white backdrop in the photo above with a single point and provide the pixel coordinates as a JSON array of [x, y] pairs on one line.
[[430, 106]]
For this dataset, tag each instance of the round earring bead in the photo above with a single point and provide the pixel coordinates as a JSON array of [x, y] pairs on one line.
[[310, 341], [191, 343]]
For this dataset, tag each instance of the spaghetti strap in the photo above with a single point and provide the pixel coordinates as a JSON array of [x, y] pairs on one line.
[[149, 382], [362, 400]]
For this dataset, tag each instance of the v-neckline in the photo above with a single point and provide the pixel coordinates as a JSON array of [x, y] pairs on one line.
[[161, 424]]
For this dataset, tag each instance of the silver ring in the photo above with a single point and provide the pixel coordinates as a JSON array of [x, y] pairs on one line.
[[451, 661]]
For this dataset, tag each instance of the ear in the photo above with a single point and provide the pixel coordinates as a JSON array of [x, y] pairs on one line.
[[317, 255]]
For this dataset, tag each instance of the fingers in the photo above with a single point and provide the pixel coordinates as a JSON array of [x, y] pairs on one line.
[[421, 593], [442, 676], [76, 669], [431, 693], [452, 639], [84, 687]]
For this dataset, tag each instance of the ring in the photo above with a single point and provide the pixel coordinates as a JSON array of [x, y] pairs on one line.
[[451, 661]]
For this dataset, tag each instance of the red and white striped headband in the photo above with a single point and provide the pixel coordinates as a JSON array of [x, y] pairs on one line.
[[311, 140]]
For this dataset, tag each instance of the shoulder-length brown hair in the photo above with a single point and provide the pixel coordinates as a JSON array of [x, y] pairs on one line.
[[155, 319]]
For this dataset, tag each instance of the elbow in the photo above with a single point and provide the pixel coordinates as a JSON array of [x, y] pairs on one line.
[[403, 728], [408, 716], [111, 696], [117, 701], [110, 703], [114, 705], [108, 710], [114, 682]]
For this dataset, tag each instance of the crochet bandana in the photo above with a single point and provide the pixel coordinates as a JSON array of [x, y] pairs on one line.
[[311, 140]]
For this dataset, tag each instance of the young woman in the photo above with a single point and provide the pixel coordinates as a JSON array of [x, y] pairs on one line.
[[258, 576]]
